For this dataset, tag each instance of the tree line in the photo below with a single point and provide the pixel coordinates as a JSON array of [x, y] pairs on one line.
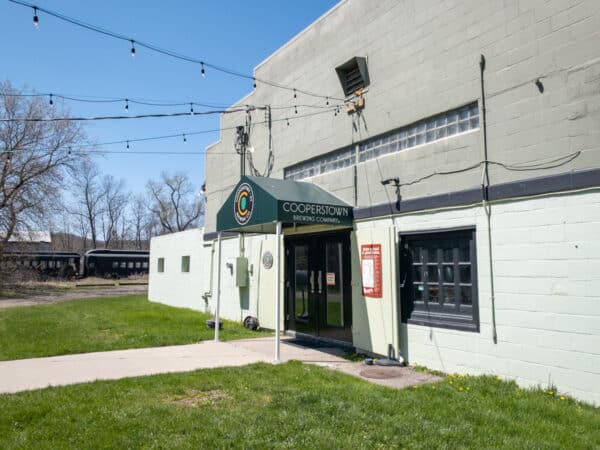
[[48, 183]]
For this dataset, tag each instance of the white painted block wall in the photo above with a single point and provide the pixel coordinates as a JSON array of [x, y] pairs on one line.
[[547, 283], [173, 287]]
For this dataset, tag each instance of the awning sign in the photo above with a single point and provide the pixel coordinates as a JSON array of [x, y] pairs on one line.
[[370, 261], [330, 278]]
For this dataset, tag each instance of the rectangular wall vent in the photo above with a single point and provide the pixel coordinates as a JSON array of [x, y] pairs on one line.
[[353, 75]]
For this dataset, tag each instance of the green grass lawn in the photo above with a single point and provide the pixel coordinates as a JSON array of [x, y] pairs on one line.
[[103, 324], [292, 406]]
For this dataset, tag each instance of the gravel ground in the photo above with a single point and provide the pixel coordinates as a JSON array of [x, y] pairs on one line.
[[73, 294]]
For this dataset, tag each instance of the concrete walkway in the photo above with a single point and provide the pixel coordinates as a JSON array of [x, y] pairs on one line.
[[37, 373]]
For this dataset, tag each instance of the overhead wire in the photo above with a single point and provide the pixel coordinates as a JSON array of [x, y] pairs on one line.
[[167, 136], [173, 54]]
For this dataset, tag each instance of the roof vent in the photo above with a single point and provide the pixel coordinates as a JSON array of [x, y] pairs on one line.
[[353, 75]]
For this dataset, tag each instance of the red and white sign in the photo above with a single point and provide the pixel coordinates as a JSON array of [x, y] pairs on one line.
[[370, 263]]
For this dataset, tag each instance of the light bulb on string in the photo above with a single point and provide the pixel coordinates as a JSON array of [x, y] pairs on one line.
[[295, 109], [127, 145], [69, 152], [36, 21], [184, 138], [288, 121], [132, 48], [254, 82], [295, 96], [327, 101], [51, 101], [126, 104], [191, 109], [202, 71]]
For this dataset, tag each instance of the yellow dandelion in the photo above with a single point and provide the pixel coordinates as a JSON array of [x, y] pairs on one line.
[[460, 389], [498, 377], [550, 392], [451, 382], [468, 388], [562, 397]]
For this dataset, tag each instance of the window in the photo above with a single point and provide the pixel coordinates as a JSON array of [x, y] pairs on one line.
[[160, 265], [438, 276], [130, 265], [123, 264], [185, 263], [145, 264], [138, 264], [115, 264], [431, 129]]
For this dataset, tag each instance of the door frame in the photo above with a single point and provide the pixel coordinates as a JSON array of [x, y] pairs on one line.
[[316, 243]]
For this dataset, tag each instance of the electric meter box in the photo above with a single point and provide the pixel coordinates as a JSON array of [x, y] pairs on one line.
[[241, 271]]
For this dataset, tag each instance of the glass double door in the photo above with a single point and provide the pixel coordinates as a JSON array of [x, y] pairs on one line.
[[318, 291]]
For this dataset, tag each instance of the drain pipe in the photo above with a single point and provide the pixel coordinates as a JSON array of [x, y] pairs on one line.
[[487, 207], [209, 293]]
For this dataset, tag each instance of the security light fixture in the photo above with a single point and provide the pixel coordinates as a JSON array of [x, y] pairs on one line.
[[387, 181]]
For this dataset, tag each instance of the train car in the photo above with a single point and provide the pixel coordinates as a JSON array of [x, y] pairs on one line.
[[46, 264], [107, 263]]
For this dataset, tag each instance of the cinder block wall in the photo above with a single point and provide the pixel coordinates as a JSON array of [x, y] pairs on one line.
[[546, 258], [423, 58]]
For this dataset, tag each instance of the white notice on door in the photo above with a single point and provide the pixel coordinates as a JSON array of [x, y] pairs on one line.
[[368, 273]]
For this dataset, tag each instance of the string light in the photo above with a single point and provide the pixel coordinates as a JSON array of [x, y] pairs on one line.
[[184, 138], [51, 101], [36, 21], [163, 51], [191, 109], [295, 109], [288, 121], [327, 102], [202, 71], [254, 82], [126, 104], [127, 145], [132, 48]]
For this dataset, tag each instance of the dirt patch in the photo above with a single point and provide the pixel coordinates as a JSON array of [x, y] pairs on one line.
[[52, 296], [195, 399]]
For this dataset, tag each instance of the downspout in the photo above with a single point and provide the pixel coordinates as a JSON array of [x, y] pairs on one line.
[[209, 294], [258, 277], [487, 207]]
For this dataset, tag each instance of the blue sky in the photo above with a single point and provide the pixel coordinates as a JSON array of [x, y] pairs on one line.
[[65, 59]]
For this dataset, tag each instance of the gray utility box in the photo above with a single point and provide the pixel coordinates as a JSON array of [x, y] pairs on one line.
[[241, 271]]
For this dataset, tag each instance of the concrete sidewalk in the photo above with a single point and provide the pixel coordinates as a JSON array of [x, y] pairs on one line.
[[37, 373]]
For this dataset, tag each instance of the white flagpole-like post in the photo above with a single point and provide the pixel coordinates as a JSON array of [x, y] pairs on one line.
[[278, 294], [217, 319]]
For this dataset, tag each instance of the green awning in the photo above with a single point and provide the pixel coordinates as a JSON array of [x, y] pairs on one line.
[[256, 204]]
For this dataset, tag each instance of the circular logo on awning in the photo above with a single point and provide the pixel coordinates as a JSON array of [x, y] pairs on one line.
[[244, 203]]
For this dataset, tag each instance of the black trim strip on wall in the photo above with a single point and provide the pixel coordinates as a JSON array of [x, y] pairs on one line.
[[522, 188]]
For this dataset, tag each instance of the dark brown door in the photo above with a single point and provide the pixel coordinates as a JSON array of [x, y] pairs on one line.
[[318, 296]]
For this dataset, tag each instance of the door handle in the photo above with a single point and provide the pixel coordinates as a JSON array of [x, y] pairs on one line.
[[320, 282], [311, 280]]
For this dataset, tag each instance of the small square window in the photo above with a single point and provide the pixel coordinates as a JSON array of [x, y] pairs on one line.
[[185, 263], [160, 265]]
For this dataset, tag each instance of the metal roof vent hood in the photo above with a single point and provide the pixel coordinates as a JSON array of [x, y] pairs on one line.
[[353, 75]]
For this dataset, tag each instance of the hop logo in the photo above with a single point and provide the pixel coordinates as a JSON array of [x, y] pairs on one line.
[[244, 203]]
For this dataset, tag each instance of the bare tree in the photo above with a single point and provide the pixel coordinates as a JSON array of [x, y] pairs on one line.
[[139, 220], [35, 156], [174, 202], [87, 193], [114, 200]]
